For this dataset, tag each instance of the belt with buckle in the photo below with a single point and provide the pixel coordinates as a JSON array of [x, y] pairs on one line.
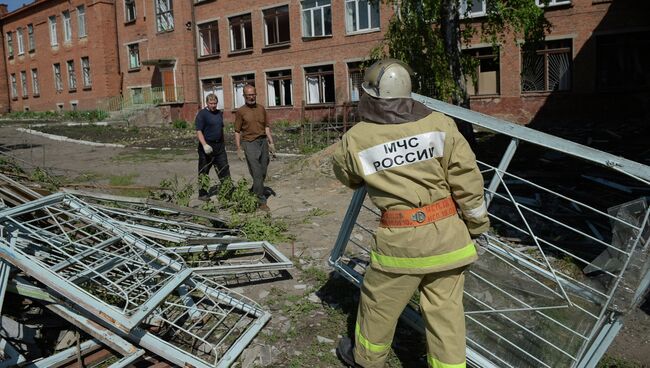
[[419, 216]]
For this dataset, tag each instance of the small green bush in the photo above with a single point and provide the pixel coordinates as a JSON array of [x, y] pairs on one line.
[[180, 124]]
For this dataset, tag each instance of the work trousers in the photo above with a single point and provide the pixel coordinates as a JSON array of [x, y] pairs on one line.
[[257, 158], [217, 159], [383, 298]]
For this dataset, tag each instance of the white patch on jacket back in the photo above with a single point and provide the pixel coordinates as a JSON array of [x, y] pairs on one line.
[[402, 152]]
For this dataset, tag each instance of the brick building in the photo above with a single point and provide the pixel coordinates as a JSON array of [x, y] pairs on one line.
[[60, 54], [304, 56], [592, 66]]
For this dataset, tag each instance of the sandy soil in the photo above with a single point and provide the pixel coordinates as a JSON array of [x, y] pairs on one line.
[[300, 184]]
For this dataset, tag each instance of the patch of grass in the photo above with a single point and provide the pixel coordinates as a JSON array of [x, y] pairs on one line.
[[315, 212], [85, 177], [259, 227], [180, 124], [8, 165], [48, 181], [122, 180], [237, 196], [175, 190]]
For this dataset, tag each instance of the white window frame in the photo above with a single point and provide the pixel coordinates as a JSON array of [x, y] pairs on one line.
[[85, 72], [14, 86], [35, 87], [72, 75], [241, 28], [164, 15], [551, 3], [19, 41], [58, 79], [133, 63], [355, 93], [216, 87], [284, 75], [10, 44], [205, 49], [276, 20], [67, 27], [81, 21], [53, 37], [472, 14], [357, 6], [130, 4], [238, 88], [23, 82], [30, 37], [308, 30]]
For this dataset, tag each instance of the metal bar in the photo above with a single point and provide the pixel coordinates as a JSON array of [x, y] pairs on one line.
[[11, 356], [503, 165], [65, 356]]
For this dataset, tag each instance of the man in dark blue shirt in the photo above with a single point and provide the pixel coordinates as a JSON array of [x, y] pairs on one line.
[[212, 150]]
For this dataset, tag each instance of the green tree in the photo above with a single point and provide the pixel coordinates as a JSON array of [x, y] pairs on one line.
[[429, 34]]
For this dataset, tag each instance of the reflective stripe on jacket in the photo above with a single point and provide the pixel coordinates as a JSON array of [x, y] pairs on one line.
[[411, 165]]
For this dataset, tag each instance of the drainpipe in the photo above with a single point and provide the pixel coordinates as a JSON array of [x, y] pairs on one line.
[[195, 58], [117, 47]]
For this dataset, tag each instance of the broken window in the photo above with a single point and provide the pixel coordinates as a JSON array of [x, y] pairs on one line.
[[67, 27], [85, 69], [35, 86], [355, 78], [548, 68], [10, 45], [21, 45], [72, 76], [319, 84], [487, 72], [23, 82], [472, 8], [53, 38], [134, 56], [209, 38], [276, 25], [30, 36], [164, 15], [14, 86], [622, 62], [279, 88], [215, 86], [58, 81], [361, 15], [238, 83], [241, 33], [129, 10]]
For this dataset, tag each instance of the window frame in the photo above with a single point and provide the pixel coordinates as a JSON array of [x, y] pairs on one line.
[[19, 41], [81, 21], [321, 75], [476, 53], [545, 52], [36, 90], [354, 68], [85, 72], [552, 3], [167, 15], [281, 78], [23, 83], [129, 48], [465, 14], [357, 12], [215, 85], [323, 12], [58, 78], [130, 4], [276, 18], [10, 44], [67, 26], [242, 22], [210, 27], [235, 79], [72, 75], [30, 38], [14, 86], [54, 39]]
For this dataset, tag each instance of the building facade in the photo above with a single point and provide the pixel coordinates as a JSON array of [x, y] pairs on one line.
[[60, 55], [305, 56]]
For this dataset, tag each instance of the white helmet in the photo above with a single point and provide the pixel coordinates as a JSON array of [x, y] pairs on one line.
[[388, 78]]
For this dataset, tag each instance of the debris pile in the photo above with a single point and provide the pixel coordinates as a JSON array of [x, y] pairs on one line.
[[135, 278]]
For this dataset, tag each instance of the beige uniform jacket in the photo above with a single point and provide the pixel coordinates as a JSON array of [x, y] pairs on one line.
[[411, 165]]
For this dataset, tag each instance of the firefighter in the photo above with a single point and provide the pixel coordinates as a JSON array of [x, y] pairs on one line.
[[422, 175]]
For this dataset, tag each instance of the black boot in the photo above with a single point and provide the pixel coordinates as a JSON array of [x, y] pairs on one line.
[[344, 352]]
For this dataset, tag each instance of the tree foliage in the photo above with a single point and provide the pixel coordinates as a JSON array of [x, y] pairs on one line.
[[429, 34]]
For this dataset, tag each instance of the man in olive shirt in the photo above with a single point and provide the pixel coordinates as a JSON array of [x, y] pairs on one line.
[[253, 133]]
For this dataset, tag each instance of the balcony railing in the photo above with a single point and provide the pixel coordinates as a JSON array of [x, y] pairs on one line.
[[142, 97]]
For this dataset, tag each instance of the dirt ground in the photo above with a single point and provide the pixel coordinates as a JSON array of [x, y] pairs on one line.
[[301, 184]]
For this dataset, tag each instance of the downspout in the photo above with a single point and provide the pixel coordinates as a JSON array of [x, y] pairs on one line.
[[195, 58], [4, 63], [117, 47]]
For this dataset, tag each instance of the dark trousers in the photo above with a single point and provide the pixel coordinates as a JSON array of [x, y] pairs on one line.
[[217, 159], [257, 158]]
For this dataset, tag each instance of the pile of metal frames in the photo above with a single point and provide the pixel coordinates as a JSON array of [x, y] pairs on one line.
[[568, 247], [113, 275]]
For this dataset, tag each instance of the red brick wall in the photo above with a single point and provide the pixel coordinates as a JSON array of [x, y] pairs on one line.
[[98, 46], [337, 50]]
